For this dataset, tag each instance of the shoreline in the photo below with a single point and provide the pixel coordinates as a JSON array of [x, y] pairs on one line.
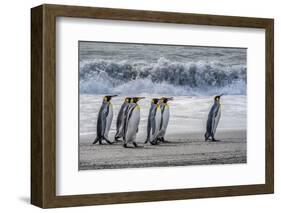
[[231, 149]]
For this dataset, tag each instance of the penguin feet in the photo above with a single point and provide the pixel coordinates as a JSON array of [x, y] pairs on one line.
[[162, 140], [107, 141], [165, 141], [125, 145], [154, 142], [157, 140], [207, 136], [96, 140], [117, 139], [213, 138]]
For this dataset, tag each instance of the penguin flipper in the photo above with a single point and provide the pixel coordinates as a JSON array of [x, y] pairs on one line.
[[214, 119], [119, 117], [211, 121], [129, 113], [103, 120], [148, 131], [153, 126], [161, 122]]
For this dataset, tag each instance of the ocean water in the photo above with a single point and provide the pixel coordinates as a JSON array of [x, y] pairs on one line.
[[134, 69], [192, 75]]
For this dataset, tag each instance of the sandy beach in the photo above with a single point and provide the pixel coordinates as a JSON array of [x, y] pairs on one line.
[[194, 150]]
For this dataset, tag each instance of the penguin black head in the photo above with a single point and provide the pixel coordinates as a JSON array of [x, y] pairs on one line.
[[128, 99], [155, 100], [107, 98], [217, 98], [136, 99], [165, 100]]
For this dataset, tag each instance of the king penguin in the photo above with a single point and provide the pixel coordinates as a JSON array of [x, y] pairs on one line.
[[153, 122], [104, 120], [213, 119], [165, 116], [132, 122], [121, 119]]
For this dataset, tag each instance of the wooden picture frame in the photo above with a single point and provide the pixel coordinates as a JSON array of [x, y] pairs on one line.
[[43, 105]]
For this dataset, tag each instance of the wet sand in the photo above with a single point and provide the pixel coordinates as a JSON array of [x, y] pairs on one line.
[[193, 150]]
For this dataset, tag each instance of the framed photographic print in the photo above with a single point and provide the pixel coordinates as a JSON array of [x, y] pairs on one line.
[[137, 106]]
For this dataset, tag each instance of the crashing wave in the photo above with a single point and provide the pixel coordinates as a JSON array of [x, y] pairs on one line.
[[162, 77]]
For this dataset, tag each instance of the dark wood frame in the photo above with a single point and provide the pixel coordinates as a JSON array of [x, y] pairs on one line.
[[43, 105]]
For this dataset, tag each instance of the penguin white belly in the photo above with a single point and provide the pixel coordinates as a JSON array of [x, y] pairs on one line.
[[133, 124], [108, 120], [165, 121], [157, 124], [216, 121]]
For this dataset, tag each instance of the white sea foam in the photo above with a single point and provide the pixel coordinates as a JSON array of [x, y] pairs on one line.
[[162, 77]]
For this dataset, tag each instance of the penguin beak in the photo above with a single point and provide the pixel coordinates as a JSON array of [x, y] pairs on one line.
[[221, 95], [170, 99], [141, 98], [112, 96]]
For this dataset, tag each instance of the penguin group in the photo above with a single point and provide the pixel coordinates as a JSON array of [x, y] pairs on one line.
[[128, 120]]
